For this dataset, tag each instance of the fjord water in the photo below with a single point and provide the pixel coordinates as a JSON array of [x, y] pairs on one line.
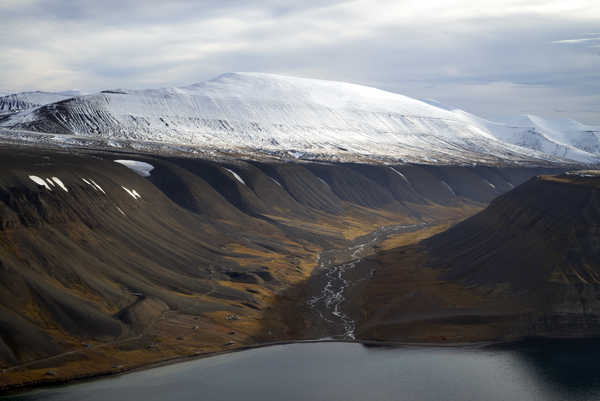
[[541, 370]]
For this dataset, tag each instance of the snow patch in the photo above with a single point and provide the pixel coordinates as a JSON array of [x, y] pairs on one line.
[[40, 182], [237, 177], [60, 184], [490, 184], [400, 174], [93, 184], [276, 182], [132, 192], [449, 187], [142, 168], [121, 211], [90, 184], [97, 186]]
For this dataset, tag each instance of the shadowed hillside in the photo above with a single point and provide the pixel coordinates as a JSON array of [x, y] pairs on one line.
[[529, 264]]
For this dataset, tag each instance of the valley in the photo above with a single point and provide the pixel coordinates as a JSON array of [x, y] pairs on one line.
[[106, 268], [139, 227], [301, 201]]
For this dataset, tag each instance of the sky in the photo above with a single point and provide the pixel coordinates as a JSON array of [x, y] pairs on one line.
[[492, 58]]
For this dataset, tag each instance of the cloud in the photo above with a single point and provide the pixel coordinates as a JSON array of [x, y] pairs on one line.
[[492, 57], [582, 40]]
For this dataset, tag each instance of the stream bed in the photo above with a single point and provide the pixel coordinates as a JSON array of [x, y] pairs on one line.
[[329, 281]]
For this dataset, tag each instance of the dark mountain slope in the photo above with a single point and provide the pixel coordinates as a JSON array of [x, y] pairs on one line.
[[529, 264], [544, 227]]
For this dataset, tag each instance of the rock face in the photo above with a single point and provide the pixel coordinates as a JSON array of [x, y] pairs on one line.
[[300, 118], [529, 264]]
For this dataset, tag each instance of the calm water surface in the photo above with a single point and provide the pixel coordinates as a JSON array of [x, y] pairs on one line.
[[546, 371]]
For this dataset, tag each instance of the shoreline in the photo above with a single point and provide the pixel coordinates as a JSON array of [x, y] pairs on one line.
[[36, 385]]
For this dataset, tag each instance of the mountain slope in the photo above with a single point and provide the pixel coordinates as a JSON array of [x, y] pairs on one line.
[[15, 102], [529, 264], [544, 230], [567, 139], [295, 117]]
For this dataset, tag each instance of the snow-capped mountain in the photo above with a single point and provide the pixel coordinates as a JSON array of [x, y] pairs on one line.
[[564, 138], [253, 112], [14, 102]]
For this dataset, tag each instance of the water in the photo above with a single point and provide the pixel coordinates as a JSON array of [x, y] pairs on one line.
[[332, 298], [328, 303], [346, 371]]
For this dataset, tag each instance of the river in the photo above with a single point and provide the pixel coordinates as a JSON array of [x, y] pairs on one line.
[[329, 284]]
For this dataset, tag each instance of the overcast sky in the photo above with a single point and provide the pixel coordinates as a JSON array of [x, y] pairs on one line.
[[493, 58]]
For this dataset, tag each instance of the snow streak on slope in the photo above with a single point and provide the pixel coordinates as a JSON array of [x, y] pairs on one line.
[[251, 112]]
